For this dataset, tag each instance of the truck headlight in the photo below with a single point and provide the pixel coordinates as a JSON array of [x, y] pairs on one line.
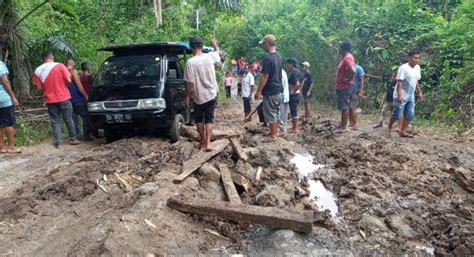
[[153, 103], [95, 107]]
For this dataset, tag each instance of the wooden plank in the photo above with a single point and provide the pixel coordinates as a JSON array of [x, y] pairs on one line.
[[229, 184], [238, 148], [199, 159], [191, 133], [274, 217]]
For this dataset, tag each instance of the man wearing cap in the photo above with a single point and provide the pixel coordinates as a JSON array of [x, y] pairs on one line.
[[344, 81], [295, 85], [307, 89], [201, 84], [270, 86]]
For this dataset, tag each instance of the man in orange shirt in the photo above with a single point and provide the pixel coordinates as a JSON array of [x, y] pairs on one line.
[[53, 79]]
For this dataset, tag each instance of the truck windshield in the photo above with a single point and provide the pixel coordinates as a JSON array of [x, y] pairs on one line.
[[128, 69]]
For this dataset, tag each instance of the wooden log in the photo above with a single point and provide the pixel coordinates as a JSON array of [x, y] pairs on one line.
[[191, 133], [274, 217], [229, 184], [199, 159], [238, 149]]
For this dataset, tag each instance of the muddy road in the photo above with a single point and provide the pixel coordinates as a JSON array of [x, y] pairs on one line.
[[372, 194]]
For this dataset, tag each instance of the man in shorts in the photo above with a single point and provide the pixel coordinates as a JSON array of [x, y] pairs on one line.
[[307, 89], [247, 84], [270, 86], [408, 77], [344, 81], [357, 92], [8, 102], [201, 84]]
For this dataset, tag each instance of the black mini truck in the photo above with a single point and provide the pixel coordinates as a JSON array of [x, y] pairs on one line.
[[140, 88]]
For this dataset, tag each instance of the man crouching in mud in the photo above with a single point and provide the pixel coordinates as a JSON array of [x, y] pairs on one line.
[[201, 84]]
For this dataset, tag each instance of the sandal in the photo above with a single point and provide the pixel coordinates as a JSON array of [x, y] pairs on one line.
[[406, 135], [16, 151], [268, 140], [340, 131]]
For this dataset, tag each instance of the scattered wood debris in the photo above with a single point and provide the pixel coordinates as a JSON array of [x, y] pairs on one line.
[[123, 183], [279, 218]]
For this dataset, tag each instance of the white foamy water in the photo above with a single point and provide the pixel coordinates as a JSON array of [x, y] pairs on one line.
[[324, 199]]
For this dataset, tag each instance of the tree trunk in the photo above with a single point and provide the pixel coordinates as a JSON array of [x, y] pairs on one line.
[[157, 10]]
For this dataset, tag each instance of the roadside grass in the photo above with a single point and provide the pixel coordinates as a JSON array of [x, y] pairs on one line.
[[31, 132]]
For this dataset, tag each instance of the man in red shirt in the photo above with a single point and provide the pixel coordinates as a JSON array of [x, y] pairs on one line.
[[53, 79], [344, 81]]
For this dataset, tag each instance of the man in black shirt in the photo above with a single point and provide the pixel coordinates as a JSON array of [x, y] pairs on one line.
[[307, 89], [270, 86], [294, 86]]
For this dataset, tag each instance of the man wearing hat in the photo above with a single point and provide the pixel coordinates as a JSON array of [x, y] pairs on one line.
[[201, 84], [295, 85], [307, 89], [270, 86]]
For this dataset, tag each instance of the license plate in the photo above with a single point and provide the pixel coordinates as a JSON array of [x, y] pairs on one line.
[[118, 118]]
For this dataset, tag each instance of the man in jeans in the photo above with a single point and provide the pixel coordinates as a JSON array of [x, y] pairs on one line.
[[270, 86], [344, 81], [201, 84], [408, 81], [78, 100], [53, 79]]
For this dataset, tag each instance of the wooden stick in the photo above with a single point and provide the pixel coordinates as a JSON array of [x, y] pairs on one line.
[[229, 184], [238, 149], [199, 159], [278, 218]]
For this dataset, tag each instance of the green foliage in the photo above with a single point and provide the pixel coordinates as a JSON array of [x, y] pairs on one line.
[[381, 32], [30, 133]]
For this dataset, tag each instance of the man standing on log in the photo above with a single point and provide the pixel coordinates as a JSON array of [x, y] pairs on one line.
[[344, 81], [201, 84], [270, 87]]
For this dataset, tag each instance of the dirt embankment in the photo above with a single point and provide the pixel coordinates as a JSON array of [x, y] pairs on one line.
[[393, 196]]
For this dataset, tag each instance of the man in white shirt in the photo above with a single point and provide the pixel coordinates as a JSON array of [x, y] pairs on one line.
[[408, 77], [284, 106], [247, 84], [201, 84]]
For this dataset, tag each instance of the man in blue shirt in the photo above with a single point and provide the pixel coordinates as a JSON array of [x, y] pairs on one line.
[[8, 102], [357, 93]]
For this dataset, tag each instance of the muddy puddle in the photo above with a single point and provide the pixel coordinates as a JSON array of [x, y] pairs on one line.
[[322, 197]]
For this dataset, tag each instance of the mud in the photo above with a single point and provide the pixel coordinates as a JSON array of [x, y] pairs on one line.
[[388, 196]]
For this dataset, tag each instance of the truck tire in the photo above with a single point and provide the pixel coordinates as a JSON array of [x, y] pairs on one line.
[[175, 129], [111, 135]]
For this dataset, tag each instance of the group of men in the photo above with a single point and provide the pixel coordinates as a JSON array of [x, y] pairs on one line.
[[279, 92], [66, 94], [400, 92]]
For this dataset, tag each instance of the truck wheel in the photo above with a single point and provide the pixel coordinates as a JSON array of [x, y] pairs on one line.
[[111, 135], [176, 126]]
